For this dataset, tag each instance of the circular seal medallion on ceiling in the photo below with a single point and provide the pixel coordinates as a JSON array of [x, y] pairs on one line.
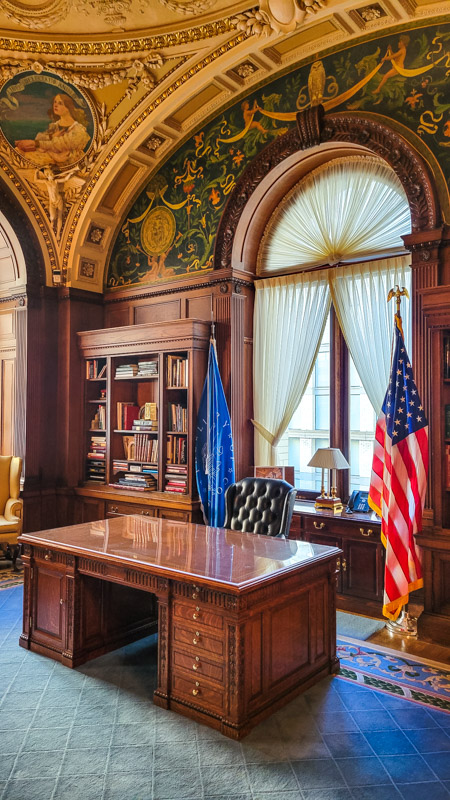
[[158, 231]]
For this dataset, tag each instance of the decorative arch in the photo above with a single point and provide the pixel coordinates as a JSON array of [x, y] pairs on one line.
[[31, 269], [319, 132]]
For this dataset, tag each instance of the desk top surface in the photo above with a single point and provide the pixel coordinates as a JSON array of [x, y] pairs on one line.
[[183, 549]]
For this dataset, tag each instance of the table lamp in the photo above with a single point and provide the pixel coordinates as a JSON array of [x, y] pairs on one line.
[[329, 458]]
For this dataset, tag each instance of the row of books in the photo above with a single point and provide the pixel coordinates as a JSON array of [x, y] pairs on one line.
[[95, 368], [177, 371], [98, 422], [177, 417], [145, 448], [176, 449], [127, 412]]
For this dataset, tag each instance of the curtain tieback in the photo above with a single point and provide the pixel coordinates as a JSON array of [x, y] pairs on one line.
[[268, 436]]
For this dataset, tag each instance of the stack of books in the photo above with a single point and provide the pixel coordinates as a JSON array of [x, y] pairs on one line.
[[147, 368], [95, 466], [126, 371], [97, 448], [176, 479], [145, 425], [133, 480], [120, 466]]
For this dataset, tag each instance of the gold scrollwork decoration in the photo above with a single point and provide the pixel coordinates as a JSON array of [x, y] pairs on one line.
[[35, 18]]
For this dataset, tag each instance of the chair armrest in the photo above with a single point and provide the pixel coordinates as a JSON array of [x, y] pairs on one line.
[[13, 509]]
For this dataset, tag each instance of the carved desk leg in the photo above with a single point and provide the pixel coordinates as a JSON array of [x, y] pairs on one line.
[[161, 693]]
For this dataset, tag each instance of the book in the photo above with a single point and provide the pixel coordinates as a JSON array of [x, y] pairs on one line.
[[130, 413]]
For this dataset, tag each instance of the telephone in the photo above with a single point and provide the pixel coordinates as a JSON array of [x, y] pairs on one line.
[[358, 501]]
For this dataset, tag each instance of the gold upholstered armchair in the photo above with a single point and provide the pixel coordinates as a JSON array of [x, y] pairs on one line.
[[10, 506]]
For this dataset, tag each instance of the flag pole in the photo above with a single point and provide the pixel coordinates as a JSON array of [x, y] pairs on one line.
[[406, 624]]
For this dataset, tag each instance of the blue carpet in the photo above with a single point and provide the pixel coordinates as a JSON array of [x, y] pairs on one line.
[[94, 734]]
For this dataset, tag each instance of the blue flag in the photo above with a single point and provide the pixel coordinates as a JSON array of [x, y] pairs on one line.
[[214, 459]]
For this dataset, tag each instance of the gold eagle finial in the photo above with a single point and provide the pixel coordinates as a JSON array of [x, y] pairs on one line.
[[398, 293]]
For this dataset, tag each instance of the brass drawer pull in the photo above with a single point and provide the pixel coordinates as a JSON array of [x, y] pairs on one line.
[[196, 638], [195, 691], [196, 614], [344, 565], [195, 666], [338, 564], [318, 525], [195, 593], [47, 556], [368, 532], [197, 688]]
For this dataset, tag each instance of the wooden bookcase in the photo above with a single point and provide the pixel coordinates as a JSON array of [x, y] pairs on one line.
[[142, 390], [434, 540]]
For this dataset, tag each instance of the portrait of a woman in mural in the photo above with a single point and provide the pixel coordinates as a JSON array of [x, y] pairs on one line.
[[47, 121]]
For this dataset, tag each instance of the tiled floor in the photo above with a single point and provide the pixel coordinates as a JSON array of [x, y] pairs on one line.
[[93, 734]]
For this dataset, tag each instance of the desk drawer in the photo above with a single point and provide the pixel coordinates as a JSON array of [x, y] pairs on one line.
[[323, 526], [197, 640], [113, 508], [198, 692], [198, 615], [198, 666]]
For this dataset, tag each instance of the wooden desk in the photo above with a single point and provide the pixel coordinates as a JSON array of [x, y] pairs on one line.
[[244, 622]]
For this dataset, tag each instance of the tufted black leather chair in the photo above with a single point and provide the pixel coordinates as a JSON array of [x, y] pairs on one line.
[[260, 505]]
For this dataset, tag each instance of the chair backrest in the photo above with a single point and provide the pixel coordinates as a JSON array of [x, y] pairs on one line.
[[260, 505], [10, 469]]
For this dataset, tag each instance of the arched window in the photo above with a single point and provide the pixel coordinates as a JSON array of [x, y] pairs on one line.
[[334, 240]]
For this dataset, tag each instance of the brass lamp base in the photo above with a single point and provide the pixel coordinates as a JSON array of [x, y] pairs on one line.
[[330, 502]]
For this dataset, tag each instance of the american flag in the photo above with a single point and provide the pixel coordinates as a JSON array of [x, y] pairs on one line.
[[399, 478]]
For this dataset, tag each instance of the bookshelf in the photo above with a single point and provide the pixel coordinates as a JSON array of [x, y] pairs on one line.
[[434, 539], [142, 390], [95, 419]]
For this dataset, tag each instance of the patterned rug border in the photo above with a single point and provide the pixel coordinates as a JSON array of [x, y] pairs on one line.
[[8, 579], [400, 653], [364, 677]]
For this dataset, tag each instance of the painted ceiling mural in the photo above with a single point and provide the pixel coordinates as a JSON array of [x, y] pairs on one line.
[[170, 230]]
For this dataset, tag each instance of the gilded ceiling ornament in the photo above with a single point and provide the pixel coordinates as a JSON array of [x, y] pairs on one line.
[[118, 46], [187, 6], [134, 72], [246, 69], [114, 12], [277, 16], [33, 17]]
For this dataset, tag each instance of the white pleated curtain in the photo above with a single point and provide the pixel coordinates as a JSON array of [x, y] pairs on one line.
[[347, 209], [289, 319], [359, 293]]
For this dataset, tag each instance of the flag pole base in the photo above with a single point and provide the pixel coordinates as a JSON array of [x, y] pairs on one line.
[[405, 625]]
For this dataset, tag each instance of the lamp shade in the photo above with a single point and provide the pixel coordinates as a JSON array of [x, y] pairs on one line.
[[329, 458]]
